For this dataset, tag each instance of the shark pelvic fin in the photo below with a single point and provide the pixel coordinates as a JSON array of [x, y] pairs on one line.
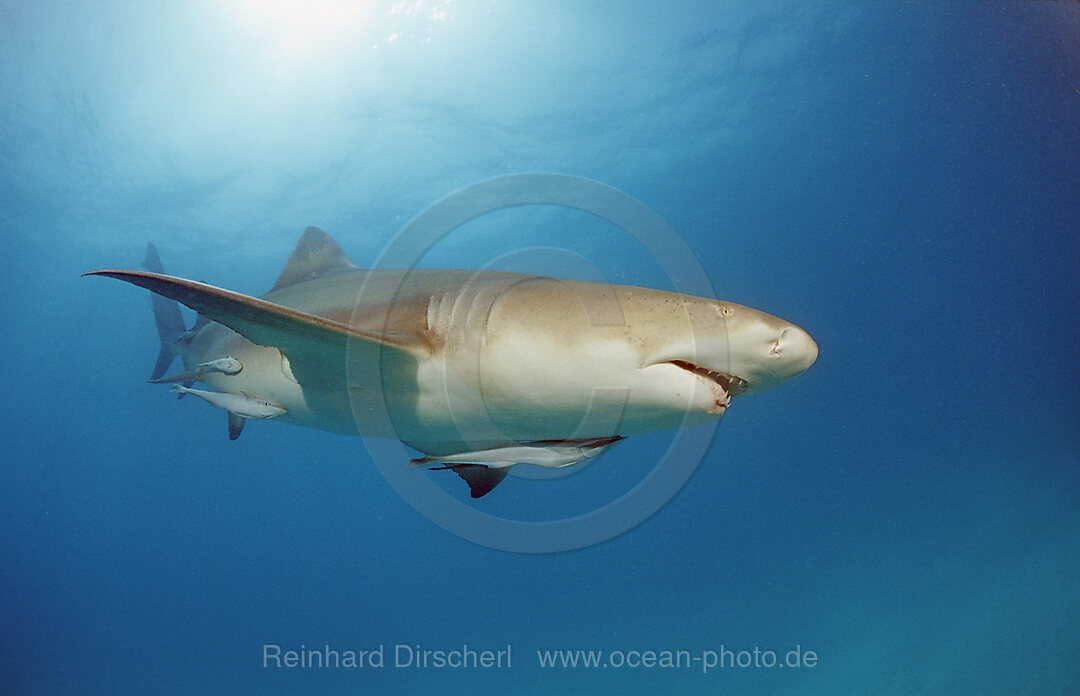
[[315, 253]]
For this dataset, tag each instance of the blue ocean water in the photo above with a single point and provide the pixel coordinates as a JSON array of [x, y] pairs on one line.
[[898, 178]]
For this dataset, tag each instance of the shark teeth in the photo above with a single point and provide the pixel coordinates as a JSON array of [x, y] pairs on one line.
[[729, 383]]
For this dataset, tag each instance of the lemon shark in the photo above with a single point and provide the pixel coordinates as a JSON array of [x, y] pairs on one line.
[[477, 370]]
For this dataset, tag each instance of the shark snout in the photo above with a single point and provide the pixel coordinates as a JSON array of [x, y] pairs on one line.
[[795, 351]]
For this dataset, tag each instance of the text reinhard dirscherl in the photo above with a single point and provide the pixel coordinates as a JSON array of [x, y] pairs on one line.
[[400, 656], [466, 657]]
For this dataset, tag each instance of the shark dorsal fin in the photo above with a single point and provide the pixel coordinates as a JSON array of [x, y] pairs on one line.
[[316, 252]]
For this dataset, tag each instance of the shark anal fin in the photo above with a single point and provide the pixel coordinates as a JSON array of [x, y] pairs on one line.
[[236, 425], [481, 479]]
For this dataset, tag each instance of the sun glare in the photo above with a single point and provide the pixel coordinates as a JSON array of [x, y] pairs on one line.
[[300, 28], [297, 28]]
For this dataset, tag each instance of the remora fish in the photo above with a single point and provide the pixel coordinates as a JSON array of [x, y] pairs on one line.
[[240, 406], [549, 454], [470, 360], [226, 366], [484, 469]]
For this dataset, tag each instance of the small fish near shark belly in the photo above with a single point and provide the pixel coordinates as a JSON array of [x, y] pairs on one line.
[[240, 407], [228, 365], [485, 469], [243, 405]]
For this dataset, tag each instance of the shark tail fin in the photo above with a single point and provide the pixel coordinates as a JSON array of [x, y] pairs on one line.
[[170, 323]]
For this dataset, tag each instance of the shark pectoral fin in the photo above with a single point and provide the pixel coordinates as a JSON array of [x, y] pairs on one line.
[[236, 425], [316, 347], [481, 479]]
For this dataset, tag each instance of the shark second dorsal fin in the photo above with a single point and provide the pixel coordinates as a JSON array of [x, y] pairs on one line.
[[200, 322], [315, 253]]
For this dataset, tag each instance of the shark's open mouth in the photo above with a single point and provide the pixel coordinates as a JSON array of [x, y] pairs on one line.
[[730, 383]]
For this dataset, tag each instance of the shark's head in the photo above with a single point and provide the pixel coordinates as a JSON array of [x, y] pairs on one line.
[[557, 354], [761, 351], [709, 351]]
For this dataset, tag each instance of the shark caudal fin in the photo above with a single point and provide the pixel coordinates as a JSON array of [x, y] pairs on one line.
[[170, 323]]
